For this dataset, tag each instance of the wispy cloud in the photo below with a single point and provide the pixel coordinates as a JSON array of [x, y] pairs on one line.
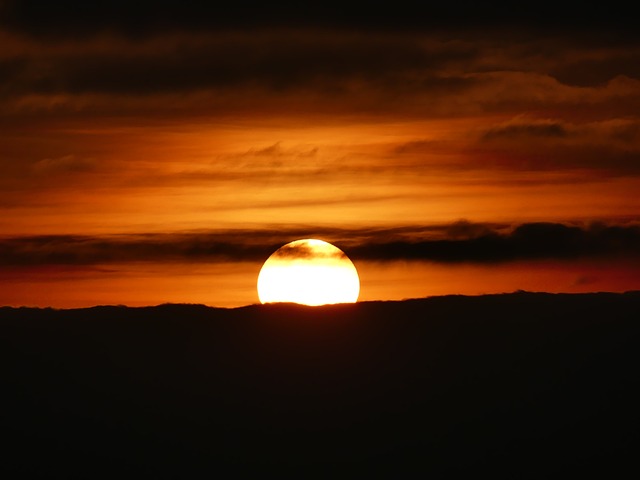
[[539, 129], [65, 164]]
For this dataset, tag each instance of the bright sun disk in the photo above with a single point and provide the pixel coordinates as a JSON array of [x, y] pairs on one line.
[[310, 272]]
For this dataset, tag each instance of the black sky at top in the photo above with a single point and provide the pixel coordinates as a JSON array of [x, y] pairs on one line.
[[68, 18]]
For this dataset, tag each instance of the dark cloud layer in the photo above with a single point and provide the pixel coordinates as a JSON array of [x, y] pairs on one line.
[[275, 61], [527, 241], [609, 145], [459, 242], [139, 59]]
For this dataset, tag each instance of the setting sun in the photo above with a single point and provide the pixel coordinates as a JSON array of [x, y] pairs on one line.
[[310, 272]]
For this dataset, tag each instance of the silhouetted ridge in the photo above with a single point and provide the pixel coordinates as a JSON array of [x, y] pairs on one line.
[[521, 384]]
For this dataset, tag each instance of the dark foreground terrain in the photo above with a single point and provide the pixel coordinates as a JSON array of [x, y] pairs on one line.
[[521, 385]]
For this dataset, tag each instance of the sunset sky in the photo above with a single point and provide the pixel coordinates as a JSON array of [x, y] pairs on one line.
[[155, 152]]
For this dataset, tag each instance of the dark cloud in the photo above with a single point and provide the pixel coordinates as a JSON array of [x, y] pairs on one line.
[[11, 68], [275, 61], [73, 249], [465, 230], [459, 242], [297, 70], [608, 147], [597, 72], [611, 146], [526, 242]]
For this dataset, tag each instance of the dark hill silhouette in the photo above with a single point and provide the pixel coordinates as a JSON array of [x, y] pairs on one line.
[[524, 385]]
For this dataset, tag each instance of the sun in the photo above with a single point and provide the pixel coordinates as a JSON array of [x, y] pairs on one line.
[[310, 272]]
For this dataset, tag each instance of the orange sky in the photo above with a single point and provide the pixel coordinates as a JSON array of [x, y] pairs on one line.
[[275, 128], [202, 176]]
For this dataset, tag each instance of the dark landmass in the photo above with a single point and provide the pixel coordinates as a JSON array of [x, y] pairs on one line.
[[521, 385]]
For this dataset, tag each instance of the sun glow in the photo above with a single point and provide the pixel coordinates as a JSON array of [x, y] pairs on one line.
[[310, 272]]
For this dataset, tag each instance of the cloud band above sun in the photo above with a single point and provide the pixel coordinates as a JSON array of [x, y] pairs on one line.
[[453, 243]]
